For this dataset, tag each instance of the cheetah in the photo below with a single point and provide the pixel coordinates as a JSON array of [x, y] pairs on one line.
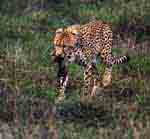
[[83, 44]]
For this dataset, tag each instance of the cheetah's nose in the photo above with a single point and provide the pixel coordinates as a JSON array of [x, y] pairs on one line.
[[69, 56]]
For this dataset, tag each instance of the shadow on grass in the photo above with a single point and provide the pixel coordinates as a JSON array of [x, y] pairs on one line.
[[83, 114], [101, 112]]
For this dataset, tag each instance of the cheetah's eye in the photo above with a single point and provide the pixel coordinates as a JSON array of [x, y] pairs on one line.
[[73, 33]]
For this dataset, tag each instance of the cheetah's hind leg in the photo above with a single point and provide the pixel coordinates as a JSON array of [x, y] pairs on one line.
[[95, 88], [107, 76]]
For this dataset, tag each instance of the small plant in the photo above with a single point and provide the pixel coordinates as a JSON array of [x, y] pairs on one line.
[[140, 99]]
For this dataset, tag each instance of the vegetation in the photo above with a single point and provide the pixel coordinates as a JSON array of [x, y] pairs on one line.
[[28, 75]]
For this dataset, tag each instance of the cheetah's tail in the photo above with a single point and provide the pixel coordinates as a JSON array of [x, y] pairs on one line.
[[121, 60]]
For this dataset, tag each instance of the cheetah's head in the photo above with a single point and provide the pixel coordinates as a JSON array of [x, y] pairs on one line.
[[65, 39]]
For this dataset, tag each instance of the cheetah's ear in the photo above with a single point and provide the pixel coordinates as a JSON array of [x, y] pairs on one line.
[[59, 30], [74, 29]]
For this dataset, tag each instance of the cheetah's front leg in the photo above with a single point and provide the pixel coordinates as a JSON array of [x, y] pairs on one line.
[[91, 78], [62, 88], [63, 80], [96, 81]]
